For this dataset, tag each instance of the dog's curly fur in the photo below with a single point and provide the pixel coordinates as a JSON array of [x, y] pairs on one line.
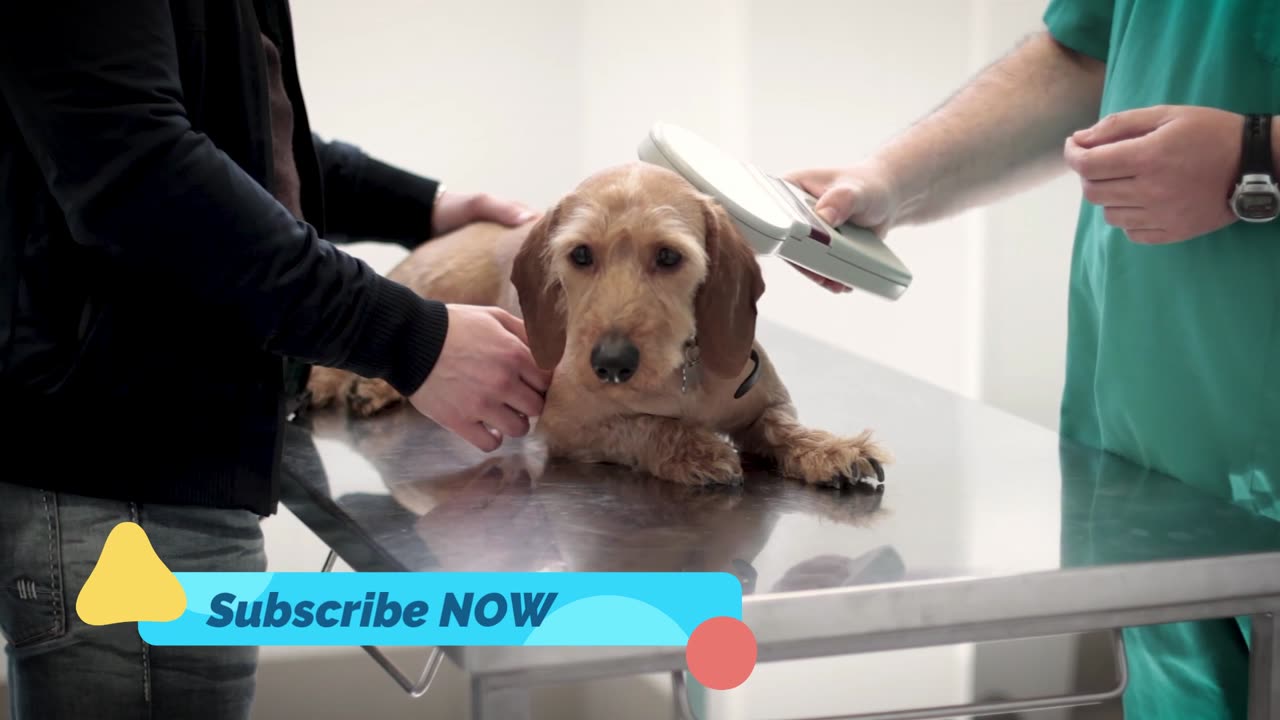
[[683, 427]]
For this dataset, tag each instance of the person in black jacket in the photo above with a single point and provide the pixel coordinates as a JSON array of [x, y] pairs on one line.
[[165, 282]]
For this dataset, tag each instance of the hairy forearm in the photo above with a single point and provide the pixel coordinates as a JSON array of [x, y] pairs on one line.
[[1002, 131]]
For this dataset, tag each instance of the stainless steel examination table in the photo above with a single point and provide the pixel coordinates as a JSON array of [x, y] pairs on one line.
[[987, 529]]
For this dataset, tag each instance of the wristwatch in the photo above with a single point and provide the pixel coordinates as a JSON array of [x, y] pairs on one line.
[[1256, 197]]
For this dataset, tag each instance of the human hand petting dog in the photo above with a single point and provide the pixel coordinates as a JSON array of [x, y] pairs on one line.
[[454, 210], [861, 195], [1162, 174], [485, 383]]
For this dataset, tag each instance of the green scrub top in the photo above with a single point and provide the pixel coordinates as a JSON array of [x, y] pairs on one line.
[[1173, 351]]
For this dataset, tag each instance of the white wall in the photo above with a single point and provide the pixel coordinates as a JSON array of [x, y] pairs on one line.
[[1026, 254]]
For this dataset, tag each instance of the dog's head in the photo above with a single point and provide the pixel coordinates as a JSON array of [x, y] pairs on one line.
[[622, 273]]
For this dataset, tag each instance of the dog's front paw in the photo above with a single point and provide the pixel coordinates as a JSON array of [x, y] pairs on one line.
[[326, 385], [701, 461], [820, 458], [367, 398]]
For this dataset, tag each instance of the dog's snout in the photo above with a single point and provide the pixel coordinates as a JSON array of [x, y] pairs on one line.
[[615, 358]]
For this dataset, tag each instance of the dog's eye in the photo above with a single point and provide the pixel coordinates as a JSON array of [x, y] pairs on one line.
[[668, 257], [581, 256]]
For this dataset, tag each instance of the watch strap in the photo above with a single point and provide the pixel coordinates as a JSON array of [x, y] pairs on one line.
[[1256, 153]]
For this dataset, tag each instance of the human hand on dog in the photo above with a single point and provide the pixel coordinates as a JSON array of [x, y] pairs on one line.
[[485, 383], [454, 210], [861, 195]]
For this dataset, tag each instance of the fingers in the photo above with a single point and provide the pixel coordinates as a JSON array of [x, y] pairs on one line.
[[1149, 237], [861, 195], [477, 434], [513, 324], [1121, 126], [829, 284], [508, 422], [1124, 205], [814, 182], [1123, 192], [485, 384], [497, 420], [525, 400], [1138, 224], [838, 204], [1116, 147], [501, 211], [455, 210], [1129, 218], [534, 376], [1108, 162]]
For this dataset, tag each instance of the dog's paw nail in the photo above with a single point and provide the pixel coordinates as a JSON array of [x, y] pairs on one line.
[[875, 464]]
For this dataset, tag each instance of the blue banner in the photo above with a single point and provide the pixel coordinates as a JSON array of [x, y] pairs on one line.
[[433, 609]]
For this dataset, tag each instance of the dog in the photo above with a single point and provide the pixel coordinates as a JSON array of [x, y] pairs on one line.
[[640, 295]]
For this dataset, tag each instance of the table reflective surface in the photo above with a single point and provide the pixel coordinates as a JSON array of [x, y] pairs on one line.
[[973, 494]]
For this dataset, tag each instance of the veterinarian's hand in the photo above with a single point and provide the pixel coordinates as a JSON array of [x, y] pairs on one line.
[[1163, 174], [485, 383], [861, 195], [454, 210]]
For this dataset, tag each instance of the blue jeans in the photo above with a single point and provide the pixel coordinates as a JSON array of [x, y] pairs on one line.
[[60, 667]]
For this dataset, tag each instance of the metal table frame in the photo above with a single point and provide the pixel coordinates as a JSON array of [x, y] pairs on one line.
[[799, 625]]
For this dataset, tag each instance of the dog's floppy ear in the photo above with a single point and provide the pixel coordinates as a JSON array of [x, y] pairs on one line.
[[541, 296], [725, 306]]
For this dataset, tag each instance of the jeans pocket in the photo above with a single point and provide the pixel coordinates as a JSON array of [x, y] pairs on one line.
[[32, 603]]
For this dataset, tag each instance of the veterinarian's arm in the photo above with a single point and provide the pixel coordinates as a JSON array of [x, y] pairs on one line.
[[369, 199], [1002, 132], [94, 89]]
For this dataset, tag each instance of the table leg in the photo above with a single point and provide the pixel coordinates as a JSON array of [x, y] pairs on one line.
[[1264, 669], [499, 704]]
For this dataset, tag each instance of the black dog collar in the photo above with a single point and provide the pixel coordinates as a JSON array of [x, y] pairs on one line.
[[691, 359], [751, 379]]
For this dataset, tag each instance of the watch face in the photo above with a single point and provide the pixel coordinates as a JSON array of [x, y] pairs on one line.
[[1257, 206]]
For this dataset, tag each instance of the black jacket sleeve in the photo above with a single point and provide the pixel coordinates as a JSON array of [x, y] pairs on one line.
[[366, 198], [94, 89]]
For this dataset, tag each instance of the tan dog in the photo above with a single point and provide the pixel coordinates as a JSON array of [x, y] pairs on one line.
[[641, 295]]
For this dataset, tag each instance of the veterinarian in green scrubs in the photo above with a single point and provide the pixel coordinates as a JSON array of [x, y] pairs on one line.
[[1174, 348], [1174, 301]]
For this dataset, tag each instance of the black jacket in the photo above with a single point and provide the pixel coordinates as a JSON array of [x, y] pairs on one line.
[[152, 290]]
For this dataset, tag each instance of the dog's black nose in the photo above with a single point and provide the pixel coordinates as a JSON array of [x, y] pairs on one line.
[[615, 358]]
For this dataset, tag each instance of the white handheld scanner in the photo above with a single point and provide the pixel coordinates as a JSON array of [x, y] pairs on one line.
[[776, 217]]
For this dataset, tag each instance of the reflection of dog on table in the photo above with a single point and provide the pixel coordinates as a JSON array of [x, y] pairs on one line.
[[589, 517], [641, 294]]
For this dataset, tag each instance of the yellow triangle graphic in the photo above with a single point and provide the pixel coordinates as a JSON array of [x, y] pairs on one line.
[[130, 583]]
